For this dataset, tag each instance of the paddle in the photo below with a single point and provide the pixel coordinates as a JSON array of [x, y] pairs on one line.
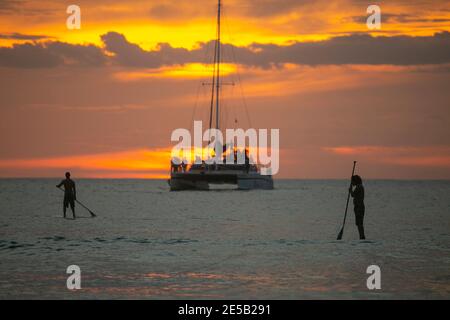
[[339, 237], [92, 214]]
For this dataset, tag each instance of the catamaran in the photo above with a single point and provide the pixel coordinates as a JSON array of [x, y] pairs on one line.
[[200, 176]]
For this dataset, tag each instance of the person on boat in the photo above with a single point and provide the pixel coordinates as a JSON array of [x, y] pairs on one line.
[[175, 166], [358, 204], [70, 194], [247, 161], [204, 166], [184, 166]]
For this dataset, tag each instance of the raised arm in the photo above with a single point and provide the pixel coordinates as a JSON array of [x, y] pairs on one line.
[[357, 193]]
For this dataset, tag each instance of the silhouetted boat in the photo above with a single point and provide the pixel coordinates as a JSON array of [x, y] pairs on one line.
[[199, 176]]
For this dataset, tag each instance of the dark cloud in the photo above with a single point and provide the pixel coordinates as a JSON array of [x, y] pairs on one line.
[[51, 54], [131, 55], [22, 7], [20, 36], [173, 11], [266, 8], [360, 49], [80, 55], [28, 55], [8, 6], [396, 18], [352, 49]]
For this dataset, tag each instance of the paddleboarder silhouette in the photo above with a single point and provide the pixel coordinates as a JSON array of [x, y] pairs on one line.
[[70, 194], [358, 204]]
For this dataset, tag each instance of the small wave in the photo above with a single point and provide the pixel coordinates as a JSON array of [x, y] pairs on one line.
[[11, 245], [59, 243], [159, 241], [55, 238], [179, 241]]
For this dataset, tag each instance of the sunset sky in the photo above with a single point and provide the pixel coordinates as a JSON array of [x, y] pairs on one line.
[[103, 101]]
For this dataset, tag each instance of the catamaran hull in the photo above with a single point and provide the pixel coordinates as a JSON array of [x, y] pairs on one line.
[[180, 182], [256, 182]]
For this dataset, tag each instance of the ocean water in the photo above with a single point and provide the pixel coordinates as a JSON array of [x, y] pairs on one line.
[[149, 243]]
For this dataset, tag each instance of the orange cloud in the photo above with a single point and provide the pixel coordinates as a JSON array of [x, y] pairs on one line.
[[142, 163], [405, 156], [187, 71], [361, 150], [424, 161]]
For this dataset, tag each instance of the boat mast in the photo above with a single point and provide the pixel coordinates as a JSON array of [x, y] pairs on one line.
[[215, 88], [218, 66]]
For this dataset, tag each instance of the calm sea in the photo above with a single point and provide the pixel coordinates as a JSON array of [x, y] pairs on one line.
[[150, 243]]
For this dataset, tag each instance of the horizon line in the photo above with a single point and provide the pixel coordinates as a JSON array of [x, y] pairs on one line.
[[277, 179]]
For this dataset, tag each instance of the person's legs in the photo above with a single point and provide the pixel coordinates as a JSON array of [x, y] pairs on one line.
[[72, 207], [359, 219], [65, 205], [362, 236]]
